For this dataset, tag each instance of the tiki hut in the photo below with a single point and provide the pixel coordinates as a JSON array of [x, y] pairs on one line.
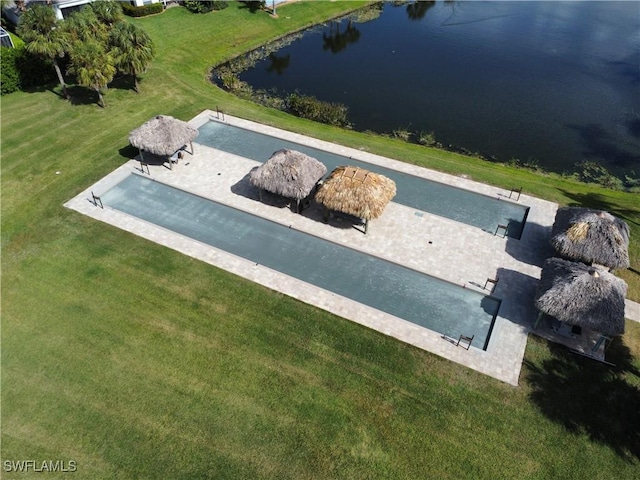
[[577, 294], [356, 192], [288, 173], [164, 136], [591, 236]]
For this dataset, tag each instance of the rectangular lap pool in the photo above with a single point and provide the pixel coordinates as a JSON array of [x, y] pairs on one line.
[[405, 293], [437, 198]]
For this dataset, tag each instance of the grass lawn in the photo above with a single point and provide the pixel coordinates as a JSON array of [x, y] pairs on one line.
[[138, 362]]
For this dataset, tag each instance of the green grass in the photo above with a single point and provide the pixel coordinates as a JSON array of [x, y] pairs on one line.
[[138, 362]]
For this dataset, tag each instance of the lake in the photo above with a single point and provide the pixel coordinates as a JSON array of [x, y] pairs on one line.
[[550, 83]]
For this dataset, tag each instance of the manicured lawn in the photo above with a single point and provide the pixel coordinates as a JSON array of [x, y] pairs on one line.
[[138, 362]]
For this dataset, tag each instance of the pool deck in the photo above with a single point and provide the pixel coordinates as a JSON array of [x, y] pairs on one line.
[[455, 252]]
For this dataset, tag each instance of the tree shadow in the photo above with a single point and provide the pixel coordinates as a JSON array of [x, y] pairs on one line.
[[123, 82], [588, 397], [51, 88], [600, 202], [252, 6], [534, 247], [598, 144], [81, 95]]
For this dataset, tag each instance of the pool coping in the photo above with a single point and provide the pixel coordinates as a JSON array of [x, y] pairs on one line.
[[503, 357]]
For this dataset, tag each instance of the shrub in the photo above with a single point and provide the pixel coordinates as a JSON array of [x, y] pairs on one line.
[[234, 85], [313, 109], [593, 172], [401, 134], [9, 77], [142, 11], [21, 69], [428, 139], [204, 6], [254, 6]]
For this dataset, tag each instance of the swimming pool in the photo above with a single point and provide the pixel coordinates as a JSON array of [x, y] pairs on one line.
[[429, 196], [397, 290]]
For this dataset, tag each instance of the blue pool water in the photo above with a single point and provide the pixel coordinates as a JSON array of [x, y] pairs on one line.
[[437, 198], [405, 293]]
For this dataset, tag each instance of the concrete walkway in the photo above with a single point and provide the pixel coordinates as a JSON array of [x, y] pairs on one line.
[[434, 245]]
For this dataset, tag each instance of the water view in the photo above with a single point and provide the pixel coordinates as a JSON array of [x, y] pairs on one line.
[[549, 83]]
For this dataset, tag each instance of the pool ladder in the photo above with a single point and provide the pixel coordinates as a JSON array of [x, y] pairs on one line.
[[465, 340]]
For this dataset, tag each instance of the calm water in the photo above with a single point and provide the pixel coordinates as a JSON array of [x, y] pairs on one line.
[[550, 82], [386, 286]]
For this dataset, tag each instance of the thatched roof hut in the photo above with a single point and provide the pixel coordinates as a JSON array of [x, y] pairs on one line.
[[163, 135], [289, 173], [356, 191], [578, 294], [591, 236]]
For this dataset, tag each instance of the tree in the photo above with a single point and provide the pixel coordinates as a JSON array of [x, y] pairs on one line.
[[133, 49], [43, 36], [93, 65], [108, 12], [85, 26]]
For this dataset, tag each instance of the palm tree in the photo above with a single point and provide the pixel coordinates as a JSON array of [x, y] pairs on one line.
[[108, 12], [93, 65], [43, 36], [84, 26], [133, 49]]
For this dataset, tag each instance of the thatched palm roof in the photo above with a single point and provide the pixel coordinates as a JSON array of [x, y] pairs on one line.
[[356, 192], [591, 236], [162, 135], [288, 173], [577, 294]]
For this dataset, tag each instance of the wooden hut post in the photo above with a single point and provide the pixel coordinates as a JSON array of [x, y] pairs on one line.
[[325, 215]]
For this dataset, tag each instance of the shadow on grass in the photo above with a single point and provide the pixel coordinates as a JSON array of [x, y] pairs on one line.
[[81, 96], [129, 152], [252, 6], [600, 202], [123, 82], [52, 88], [590, 398]]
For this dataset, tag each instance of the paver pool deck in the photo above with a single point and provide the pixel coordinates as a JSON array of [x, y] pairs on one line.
[[455, 252]]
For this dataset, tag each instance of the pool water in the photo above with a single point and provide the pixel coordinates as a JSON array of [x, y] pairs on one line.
[[463, 206], [424, 300]]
